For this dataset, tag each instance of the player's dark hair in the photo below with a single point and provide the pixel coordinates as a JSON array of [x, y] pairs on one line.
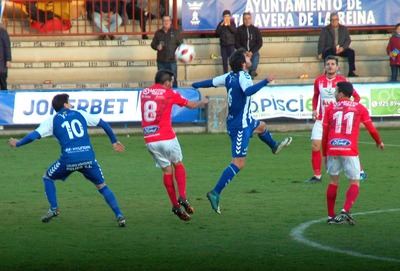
[[397, 25], [237, 59], [346, 88], [331, 57], [163, 76], [59, 100]]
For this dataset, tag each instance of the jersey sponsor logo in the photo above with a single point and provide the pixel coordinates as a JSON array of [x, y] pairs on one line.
[[153, 91], [340, 142], [78, 166], [78, 149], [149, 130]]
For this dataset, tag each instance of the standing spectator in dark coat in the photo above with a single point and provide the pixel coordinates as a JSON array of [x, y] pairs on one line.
[[393, 51], [249, 37], [5, 57], [226, 31], [335, 40], [165, 42]]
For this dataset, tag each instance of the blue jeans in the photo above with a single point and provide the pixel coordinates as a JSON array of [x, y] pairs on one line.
[[255, 59], [171, 66], [395, 71]]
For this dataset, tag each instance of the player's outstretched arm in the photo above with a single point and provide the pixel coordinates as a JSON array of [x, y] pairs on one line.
[[117, 146], [14, 143], [218, 81], [256, 87], [197, 104]]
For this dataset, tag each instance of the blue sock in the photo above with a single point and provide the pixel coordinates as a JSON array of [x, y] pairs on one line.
[[266, 137], [50, 188], [226, 177], [111, 200]]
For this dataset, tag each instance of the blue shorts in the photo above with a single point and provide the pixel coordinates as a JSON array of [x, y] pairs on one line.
[[60, 170], [240, 139]]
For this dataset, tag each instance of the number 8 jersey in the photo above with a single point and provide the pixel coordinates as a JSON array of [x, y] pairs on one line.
[[70, 129], [156, 106]]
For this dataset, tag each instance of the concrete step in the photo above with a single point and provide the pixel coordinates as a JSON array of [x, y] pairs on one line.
[[181, 83], [134, 71], [133, 49]]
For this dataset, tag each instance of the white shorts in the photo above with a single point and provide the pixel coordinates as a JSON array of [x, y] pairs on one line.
[[349, 164], [165, 152], [316, 133]]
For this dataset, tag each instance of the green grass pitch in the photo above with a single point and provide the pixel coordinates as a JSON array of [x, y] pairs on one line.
[[259, 209]]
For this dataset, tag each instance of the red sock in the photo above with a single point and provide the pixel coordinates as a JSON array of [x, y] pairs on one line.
[[351, 196], [316, 161], [180, 177], [331, 192], [169, 185]]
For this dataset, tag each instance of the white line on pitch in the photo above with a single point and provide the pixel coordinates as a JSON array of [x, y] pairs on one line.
[[297, 234]]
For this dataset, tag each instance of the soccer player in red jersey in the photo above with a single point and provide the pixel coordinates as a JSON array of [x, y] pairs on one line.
[[160, 138], [324, 89], [341, 127]]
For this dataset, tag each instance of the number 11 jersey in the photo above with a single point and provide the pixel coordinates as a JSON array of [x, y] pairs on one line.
[[156, 106]]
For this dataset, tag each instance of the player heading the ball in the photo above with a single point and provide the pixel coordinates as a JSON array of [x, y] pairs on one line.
[[240, 123]]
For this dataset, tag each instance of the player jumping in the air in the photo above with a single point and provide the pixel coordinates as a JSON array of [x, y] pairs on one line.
[[160, 138], [240, 123], [341, 127], [70, 128], [324, 88]]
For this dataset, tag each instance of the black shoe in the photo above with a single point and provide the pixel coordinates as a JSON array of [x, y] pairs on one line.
[[352, 74], [121, 221], [181, 213], [345, 217], [111, 37], [185, 204], [145, 37], [331, 220], [314, 179], [50, 214]]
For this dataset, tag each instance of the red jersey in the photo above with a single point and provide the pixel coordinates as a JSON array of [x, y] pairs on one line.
[[341, 127], [156, 106], [324, 93]]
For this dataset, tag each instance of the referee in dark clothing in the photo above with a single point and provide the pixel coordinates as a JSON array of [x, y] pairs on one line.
[[5, 57]]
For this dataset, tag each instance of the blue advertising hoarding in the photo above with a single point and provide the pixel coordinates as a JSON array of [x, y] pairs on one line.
[[204, 15]]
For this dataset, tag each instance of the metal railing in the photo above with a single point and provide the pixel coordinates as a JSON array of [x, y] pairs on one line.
[[86, 17]]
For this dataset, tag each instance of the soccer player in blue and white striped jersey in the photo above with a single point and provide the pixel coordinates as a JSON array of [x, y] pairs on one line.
[[70, 127], [240, 123]]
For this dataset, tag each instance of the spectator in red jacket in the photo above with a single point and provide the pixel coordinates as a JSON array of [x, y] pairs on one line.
[[393, 51]]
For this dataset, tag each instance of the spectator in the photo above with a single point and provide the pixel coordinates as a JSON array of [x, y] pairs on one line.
[[249, 37], [137, 10], [105, 16], [335, 40], [165, 42], [226, 31], [393, 51], [5, 60]]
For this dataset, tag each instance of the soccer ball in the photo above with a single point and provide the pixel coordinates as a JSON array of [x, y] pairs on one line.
[[185, 53]]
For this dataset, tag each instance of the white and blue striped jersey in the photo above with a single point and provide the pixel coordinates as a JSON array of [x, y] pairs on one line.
[[239, 115], [70, 129]]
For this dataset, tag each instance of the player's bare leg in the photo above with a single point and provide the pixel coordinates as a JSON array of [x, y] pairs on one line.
[[266, 137], [168, 179], [180, 178], [351, 197], [316, 161], [331, 193]]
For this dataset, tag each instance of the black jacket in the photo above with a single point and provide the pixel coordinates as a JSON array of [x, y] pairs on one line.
[[5, 49], [226, 34], [171, 39], [327, 38], [253, 35]]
